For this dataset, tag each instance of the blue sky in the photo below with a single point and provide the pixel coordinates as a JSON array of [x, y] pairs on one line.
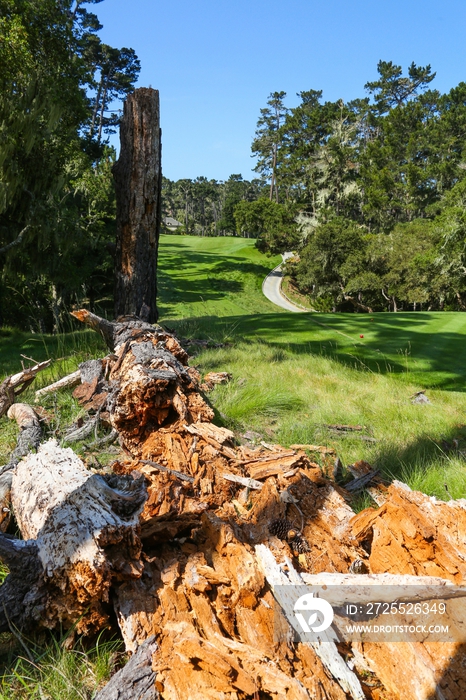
[[215, 62]]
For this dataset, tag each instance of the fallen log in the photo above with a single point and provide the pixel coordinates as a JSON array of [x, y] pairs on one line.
[[82, 535], [28, 439], [182, 561], [153, 385]]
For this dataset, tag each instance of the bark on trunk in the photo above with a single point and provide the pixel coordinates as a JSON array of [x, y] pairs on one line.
[[136, 681], [138, 180]]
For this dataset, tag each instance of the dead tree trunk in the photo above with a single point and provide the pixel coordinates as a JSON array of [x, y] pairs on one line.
[[138, 178]]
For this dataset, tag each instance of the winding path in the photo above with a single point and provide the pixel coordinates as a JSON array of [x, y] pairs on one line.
[[271, 288]]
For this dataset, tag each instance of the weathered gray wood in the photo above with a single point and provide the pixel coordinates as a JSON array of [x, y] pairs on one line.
[[64, 383], [14, 385], [244, 481], [361, 482], [138, 180], [83, 537], [21, 588], [281, 583], [29, 436], [136, 680], [354, 587]]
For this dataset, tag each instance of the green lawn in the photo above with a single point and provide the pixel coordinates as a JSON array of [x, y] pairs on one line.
[[206, 277], [212, 287], [296, 374]]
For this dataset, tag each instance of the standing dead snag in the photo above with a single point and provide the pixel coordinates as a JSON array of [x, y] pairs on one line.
[[138, 181]]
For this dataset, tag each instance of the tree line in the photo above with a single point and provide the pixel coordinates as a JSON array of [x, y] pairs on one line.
[[207, 207], [370, 193], [58, 87]]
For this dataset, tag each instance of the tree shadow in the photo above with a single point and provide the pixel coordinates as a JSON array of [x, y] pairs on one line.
[[407, 346]]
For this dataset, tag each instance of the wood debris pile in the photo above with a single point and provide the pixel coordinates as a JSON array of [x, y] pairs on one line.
[[191, 568]]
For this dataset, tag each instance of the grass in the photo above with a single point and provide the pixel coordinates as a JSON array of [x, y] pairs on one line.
[[211, 287], [54, 671], [290, 398]]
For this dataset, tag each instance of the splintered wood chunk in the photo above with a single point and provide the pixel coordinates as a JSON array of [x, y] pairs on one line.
[[314, 448], [249, 483], [208, 430], [413, 533], [266, 468], [206, 486], [360, 468], [378, 494], [15, 384], [344, 428], [361, 482], [213, 378]]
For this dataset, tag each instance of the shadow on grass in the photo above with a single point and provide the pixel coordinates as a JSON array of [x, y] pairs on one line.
[[207, 276], [17, 346], [405, 344], [433, 464]]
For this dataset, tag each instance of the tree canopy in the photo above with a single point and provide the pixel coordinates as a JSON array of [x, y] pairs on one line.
[[57, 83], [388, 166]]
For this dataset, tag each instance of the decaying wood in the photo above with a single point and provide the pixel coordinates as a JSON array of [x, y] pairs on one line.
[[138, 183], [14, 385], [136, 680], [415, 534], [353, 587], [64, 383], [29, 438], [152, 383], [248, 483], [361, 482], [213, 378], [187, 556], [82, 529], [282, 585]]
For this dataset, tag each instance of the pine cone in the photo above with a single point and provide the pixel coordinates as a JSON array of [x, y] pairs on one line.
[[299, 544], [285, 530], [280, 528]]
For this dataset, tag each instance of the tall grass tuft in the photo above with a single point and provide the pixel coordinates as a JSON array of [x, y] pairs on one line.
[[57, 673]]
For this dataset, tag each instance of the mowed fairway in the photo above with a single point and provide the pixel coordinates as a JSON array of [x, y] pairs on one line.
[[296, 375], [213, 287]]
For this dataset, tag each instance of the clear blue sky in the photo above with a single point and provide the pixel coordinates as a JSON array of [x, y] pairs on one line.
[[215, 62]]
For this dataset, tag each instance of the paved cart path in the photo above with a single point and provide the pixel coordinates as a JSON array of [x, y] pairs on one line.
[[271, 288]]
